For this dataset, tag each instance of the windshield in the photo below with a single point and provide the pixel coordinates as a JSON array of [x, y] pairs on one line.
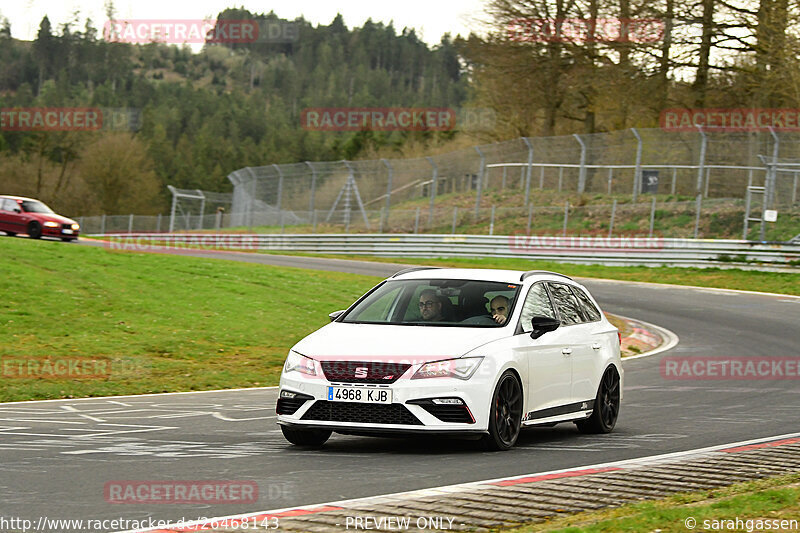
[[32, 206], [436, 302]]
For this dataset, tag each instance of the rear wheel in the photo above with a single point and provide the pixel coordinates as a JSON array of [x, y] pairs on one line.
[[11, 234], [67, 239], [34, 230], [505, 417], [606, 405], [306, 437]]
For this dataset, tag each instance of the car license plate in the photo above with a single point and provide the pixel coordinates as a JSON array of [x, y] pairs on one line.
[[359, 394], [66, 231]]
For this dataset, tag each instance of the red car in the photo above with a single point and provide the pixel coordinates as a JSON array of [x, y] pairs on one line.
[[32, 217]]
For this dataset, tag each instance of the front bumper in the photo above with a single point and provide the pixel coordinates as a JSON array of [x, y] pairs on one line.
[[409, 411]]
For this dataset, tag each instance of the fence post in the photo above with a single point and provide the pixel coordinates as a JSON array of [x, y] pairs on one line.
[[313, 186], [708, 179], [171, 212], [560, 177], [480, 182], [652, 216], [566, 216], [699, 186], [158, 224], [505, 175], [613, 214], [610, 178], [434, 185], [638, 170], [530, 217], [674, 180], [130, 224], [416, 221], [582, 169], [529, 169], [491, 223], [103, 224], [455, 219], [541, 178], [280, 189], [698, 208], [388, 189], [202, 208], [769, 185]]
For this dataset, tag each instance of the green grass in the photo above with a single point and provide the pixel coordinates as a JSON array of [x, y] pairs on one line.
[[746, 280], [162, 323], [771, 499]]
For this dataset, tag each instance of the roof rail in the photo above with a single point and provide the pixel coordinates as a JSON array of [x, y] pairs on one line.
[[534, 272], [412, 269]]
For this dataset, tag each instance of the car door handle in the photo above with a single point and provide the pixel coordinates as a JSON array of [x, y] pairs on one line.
[[566, 351], [596, 346]]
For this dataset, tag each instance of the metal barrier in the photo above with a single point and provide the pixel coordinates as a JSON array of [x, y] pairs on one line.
[[612, 251]]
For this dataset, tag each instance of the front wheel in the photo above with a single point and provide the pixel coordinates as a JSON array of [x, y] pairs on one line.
[[34, 230], [505, 416], [11, 234], [606, 405], [306, 437]]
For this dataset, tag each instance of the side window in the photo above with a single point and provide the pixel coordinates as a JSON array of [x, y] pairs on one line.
[[588, 308], [537, 303], [568, 307], [378, 311], [7, 205]]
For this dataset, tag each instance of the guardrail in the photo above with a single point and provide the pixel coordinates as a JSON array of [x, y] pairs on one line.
[[613, 251]]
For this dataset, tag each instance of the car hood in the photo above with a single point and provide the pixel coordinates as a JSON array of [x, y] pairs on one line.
[[375, 342], [45, 217]]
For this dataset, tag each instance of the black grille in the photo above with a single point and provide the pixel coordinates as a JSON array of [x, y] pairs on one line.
[[364, 413], [66, 226], [289, 406], [450, 413], [376, 372]]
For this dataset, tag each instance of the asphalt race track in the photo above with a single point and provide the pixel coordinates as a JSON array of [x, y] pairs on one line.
[[57, 456]]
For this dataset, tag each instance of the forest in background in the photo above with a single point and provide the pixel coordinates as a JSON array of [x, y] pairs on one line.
[[206, 114]]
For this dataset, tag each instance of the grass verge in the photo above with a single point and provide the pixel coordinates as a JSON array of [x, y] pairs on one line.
[[151, 322], [768, 499]]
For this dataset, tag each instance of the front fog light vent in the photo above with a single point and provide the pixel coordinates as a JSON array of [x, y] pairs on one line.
[[448, 401], [288, 394]]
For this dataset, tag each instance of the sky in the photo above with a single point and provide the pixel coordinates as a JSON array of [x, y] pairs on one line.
[[430, 18]]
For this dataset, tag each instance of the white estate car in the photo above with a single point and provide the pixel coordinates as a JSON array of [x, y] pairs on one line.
[[456, 351]]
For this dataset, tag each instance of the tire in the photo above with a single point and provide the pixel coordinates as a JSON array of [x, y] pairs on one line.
[[505, 415], [34, 230], [606, 405], [306, 437], [67, 239], [11, 234]]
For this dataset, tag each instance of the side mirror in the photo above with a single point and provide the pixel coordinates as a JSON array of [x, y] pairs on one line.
[[336, 314], [17, 210], [543, 324]]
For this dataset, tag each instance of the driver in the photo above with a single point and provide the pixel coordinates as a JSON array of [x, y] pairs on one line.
[[430, 307], [499, 308]]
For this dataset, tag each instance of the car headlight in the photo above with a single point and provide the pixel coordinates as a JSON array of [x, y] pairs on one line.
[[301, 363], [76, 226], [461, 368], [50, 224]]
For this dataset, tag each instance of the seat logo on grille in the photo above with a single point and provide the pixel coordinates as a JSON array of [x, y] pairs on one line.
[[361, 372]]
